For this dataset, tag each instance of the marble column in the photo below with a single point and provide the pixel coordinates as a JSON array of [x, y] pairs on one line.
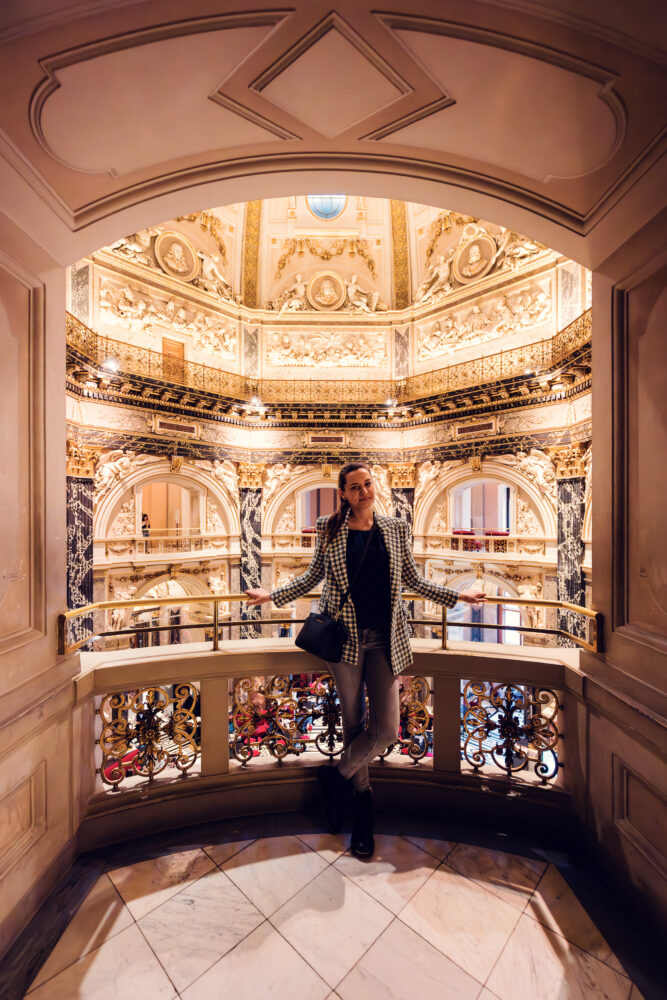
[[402, 479], [250, 499], [79, 552], [570, 575]]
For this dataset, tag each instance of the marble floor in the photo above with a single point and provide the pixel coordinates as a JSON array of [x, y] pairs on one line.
[[297, 915]]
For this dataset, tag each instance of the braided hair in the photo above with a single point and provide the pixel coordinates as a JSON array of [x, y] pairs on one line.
[[336, 519]]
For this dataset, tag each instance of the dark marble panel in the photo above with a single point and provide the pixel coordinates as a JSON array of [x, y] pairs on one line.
[[402, 353], [79, 551], [404, 501], [251, 352], [251, 558], [80, 292], [569, 294], [570, 577]]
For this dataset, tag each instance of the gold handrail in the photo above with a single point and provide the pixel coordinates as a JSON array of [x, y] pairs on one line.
[[64, 647]]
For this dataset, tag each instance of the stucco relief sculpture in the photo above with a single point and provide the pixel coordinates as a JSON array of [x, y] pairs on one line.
[[380, 477], [537, 467], [217, 584], [520, 311], [287, 523], [225, 472], [211, 279], [436, 283], [326, 291], [429, 472], [526, 521], [326, 349], [278, 474], [176, 256], [112, 466], [214, 523], [360, 300], [439, 519], [137, 247], [124, 521], [292, 299], [125, 307], [119, 616], [531, 590]]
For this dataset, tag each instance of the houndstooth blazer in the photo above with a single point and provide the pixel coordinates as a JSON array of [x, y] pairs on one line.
[[331, 565]]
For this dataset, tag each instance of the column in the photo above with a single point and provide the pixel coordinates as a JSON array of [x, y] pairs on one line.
[[250, 498], [570, 577], [80, 493], [402, 479]]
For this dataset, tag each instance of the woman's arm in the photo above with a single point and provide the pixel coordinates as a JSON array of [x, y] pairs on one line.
[[432, 591], [302, 584]]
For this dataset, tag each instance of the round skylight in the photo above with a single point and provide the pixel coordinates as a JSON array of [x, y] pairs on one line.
[[326, 206]]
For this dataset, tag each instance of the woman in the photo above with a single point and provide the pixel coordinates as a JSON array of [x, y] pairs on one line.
[[377, 647]]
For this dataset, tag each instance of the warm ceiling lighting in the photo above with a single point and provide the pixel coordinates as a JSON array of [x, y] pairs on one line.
[[111, 365]]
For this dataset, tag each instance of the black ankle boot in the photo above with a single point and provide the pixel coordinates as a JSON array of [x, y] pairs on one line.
[[333, 788], [362, 843]]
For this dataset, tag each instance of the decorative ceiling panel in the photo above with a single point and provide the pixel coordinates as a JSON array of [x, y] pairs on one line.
[[333, 83], [136, 107], [514, 111]]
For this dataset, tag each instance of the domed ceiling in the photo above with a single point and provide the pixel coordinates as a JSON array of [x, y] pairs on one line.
[[330, 287]]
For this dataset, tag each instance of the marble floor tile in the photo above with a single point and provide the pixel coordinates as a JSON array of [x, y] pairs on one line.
[[262, 966], [438, 848], [122, 967], [402, 966], [331, 923], [538, 964], [199, 925], [101, 915], [508, 876], [148, 884], [397, 869], [271, 871], [464, 921], [556, 906], [329, 845], [222, 852]]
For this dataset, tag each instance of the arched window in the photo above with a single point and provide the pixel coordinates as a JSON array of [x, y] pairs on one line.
[[489, 614], [326, 206], [482, 506], [314, 503], [171, 509]]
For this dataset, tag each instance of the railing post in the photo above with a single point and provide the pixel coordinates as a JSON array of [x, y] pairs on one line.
[[447, 724], [62, 635], [444, 626], [214, 701], [216, 625]]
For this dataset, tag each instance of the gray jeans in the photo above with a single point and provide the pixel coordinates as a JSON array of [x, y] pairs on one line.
[[364, 738]]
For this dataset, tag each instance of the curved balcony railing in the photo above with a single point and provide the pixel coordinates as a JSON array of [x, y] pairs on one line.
[[133, 360], [136, 546], [88, 625]]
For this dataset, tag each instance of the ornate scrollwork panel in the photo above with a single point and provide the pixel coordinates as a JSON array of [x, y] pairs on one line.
[[416, 725], [144, 732], [510, 726], [285, 716]]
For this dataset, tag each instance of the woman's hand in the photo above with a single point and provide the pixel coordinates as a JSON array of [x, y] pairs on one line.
[[258, 596], [474, 596]]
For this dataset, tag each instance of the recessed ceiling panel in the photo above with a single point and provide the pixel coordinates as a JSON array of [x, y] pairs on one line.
[[331, 86], [512, 110], [136, 107]]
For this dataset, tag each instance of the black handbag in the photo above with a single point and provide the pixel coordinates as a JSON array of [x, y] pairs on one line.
[[324, 635]]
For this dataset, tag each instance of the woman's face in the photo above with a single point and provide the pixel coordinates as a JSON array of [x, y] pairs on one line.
[[359, 491]]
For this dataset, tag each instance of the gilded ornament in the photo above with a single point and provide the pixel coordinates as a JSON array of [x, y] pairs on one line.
[[402, 476], [251, 476]]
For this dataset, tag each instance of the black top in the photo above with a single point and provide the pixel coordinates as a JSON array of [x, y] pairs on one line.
[[371, 593]]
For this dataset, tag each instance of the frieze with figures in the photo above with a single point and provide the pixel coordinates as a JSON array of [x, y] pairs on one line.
[[324, 348]]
